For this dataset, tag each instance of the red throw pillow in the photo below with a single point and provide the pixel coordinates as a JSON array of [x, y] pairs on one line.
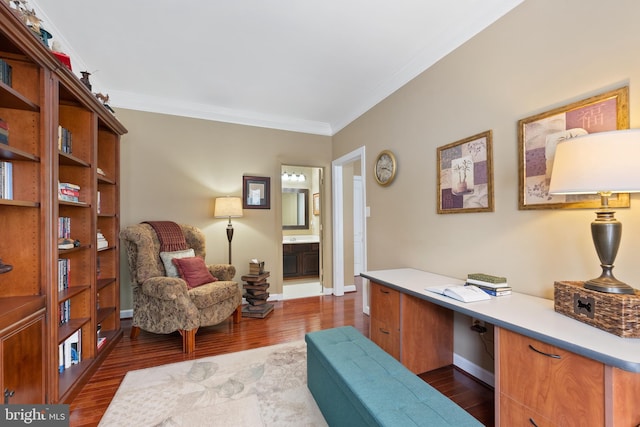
[[194, 271]]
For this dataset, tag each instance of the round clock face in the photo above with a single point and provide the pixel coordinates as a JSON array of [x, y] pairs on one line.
[[385, 167]]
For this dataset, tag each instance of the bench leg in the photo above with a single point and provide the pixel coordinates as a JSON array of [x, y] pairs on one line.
[[188, 340]]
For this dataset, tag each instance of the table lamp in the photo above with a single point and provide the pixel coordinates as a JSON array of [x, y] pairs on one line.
[[601, 163], [228, 207]]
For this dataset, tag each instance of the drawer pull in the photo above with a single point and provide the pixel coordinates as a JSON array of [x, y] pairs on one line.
[[7, 395], [555, 356], [383, 331], [384, 291], [533, 423]]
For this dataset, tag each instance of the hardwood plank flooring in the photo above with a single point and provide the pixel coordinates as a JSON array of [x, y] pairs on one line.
[[289, 321]]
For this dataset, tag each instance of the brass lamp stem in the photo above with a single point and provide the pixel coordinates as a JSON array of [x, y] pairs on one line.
[[606, 232]]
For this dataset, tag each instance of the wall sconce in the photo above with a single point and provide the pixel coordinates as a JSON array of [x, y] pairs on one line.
[[228, 207], [601, 163]]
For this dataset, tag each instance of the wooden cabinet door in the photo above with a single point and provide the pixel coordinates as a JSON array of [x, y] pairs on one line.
[[426, 335], [384, 326], [560, 385], [23, 363]]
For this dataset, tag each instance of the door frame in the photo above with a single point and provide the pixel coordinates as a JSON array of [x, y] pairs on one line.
[[338, 221]]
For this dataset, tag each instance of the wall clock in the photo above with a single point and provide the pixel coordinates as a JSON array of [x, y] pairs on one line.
[[385, 168]]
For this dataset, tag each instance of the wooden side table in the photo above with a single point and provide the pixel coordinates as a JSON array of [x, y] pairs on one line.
[[256, 295]]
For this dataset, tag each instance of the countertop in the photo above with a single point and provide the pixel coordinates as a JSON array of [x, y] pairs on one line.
[[525, 314]]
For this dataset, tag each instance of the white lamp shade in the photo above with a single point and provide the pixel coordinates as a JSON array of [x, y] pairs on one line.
[[228, 207], [598, 162]]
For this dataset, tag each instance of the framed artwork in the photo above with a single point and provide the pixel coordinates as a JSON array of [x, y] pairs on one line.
[[465, 175], [537, 139], [256, 192], [316, 203]]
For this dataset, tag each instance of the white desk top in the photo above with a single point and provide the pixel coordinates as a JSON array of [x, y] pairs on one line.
[[525, 314]]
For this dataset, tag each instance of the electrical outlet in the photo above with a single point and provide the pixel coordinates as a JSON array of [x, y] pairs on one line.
[[477, 322], [478, 326]]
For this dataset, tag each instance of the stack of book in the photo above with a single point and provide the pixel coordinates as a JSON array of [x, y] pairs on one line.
[[68, 192], [6, 180], [5, 72], [102, 241], [4, 132], [493, 285]]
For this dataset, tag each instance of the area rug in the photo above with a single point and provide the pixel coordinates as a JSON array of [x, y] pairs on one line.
[[266, 386]]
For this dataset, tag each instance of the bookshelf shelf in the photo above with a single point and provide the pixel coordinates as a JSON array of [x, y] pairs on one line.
[[71, 292], [15, 100], [8, 152], [19, 203], [42, 98]]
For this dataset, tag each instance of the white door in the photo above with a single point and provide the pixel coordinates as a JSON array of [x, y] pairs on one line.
[[358, 226]]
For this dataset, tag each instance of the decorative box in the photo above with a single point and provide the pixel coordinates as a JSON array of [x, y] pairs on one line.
[[63, 57], [256, 268], [618, 314]]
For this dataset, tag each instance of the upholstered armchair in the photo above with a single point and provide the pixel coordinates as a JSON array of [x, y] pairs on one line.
[[163, 304]]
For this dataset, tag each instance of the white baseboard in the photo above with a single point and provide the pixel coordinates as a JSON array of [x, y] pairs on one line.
[[126, 314], [474, 370]]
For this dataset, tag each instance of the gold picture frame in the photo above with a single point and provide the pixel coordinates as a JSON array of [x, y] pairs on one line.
[[465, 175], [539, 134]]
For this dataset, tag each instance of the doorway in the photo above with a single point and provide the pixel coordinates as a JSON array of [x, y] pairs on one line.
[[301, 188], [349, 222]]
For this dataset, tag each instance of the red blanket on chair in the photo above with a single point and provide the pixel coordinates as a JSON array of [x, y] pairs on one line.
[[170, 235]]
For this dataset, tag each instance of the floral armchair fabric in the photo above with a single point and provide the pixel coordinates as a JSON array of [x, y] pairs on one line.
[[164, 304]]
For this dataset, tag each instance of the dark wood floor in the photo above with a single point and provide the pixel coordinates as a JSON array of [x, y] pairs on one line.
[[289, 321]]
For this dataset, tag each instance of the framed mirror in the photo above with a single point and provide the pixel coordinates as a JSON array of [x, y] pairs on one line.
[[295, 209]]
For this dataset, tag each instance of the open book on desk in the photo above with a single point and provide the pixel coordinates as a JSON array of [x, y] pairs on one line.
[[464, 293]]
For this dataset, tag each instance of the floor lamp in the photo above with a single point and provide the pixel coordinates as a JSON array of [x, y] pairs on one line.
[[228, 207], [601, 163]]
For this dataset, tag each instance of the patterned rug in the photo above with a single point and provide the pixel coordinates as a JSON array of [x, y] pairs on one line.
[[266, 386]]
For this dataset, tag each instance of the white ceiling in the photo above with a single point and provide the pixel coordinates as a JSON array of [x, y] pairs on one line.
[[303, 65]]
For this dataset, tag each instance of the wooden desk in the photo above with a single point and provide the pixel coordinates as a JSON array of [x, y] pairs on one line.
[[594, 381]]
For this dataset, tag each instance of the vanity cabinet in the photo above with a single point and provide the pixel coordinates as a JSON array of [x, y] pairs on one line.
[[535, 379], [301, 259]]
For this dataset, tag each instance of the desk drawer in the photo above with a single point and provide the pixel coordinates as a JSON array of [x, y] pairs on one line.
[[560, 385]]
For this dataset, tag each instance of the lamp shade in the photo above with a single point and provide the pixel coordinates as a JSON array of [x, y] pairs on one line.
[[597, 163], [228, 207]]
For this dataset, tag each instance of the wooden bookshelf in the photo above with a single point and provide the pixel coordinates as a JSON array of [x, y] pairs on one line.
[[42, 96]]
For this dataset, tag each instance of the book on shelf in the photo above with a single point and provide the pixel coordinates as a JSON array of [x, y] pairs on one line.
[[64, 273], [66, 243], [102, 241], [4, 132], [64, 227], [6, 73], [68, 192], [6, 180], [64, 140], [70, 351], [101, 342]]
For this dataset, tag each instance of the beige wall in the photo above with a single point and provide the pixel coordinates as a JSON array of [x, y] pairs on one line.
[[543, 54], [173, 167]]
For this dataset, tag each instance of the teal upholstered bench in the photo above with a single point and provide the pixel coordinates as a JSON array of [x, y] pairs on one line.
[[356, 383]]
